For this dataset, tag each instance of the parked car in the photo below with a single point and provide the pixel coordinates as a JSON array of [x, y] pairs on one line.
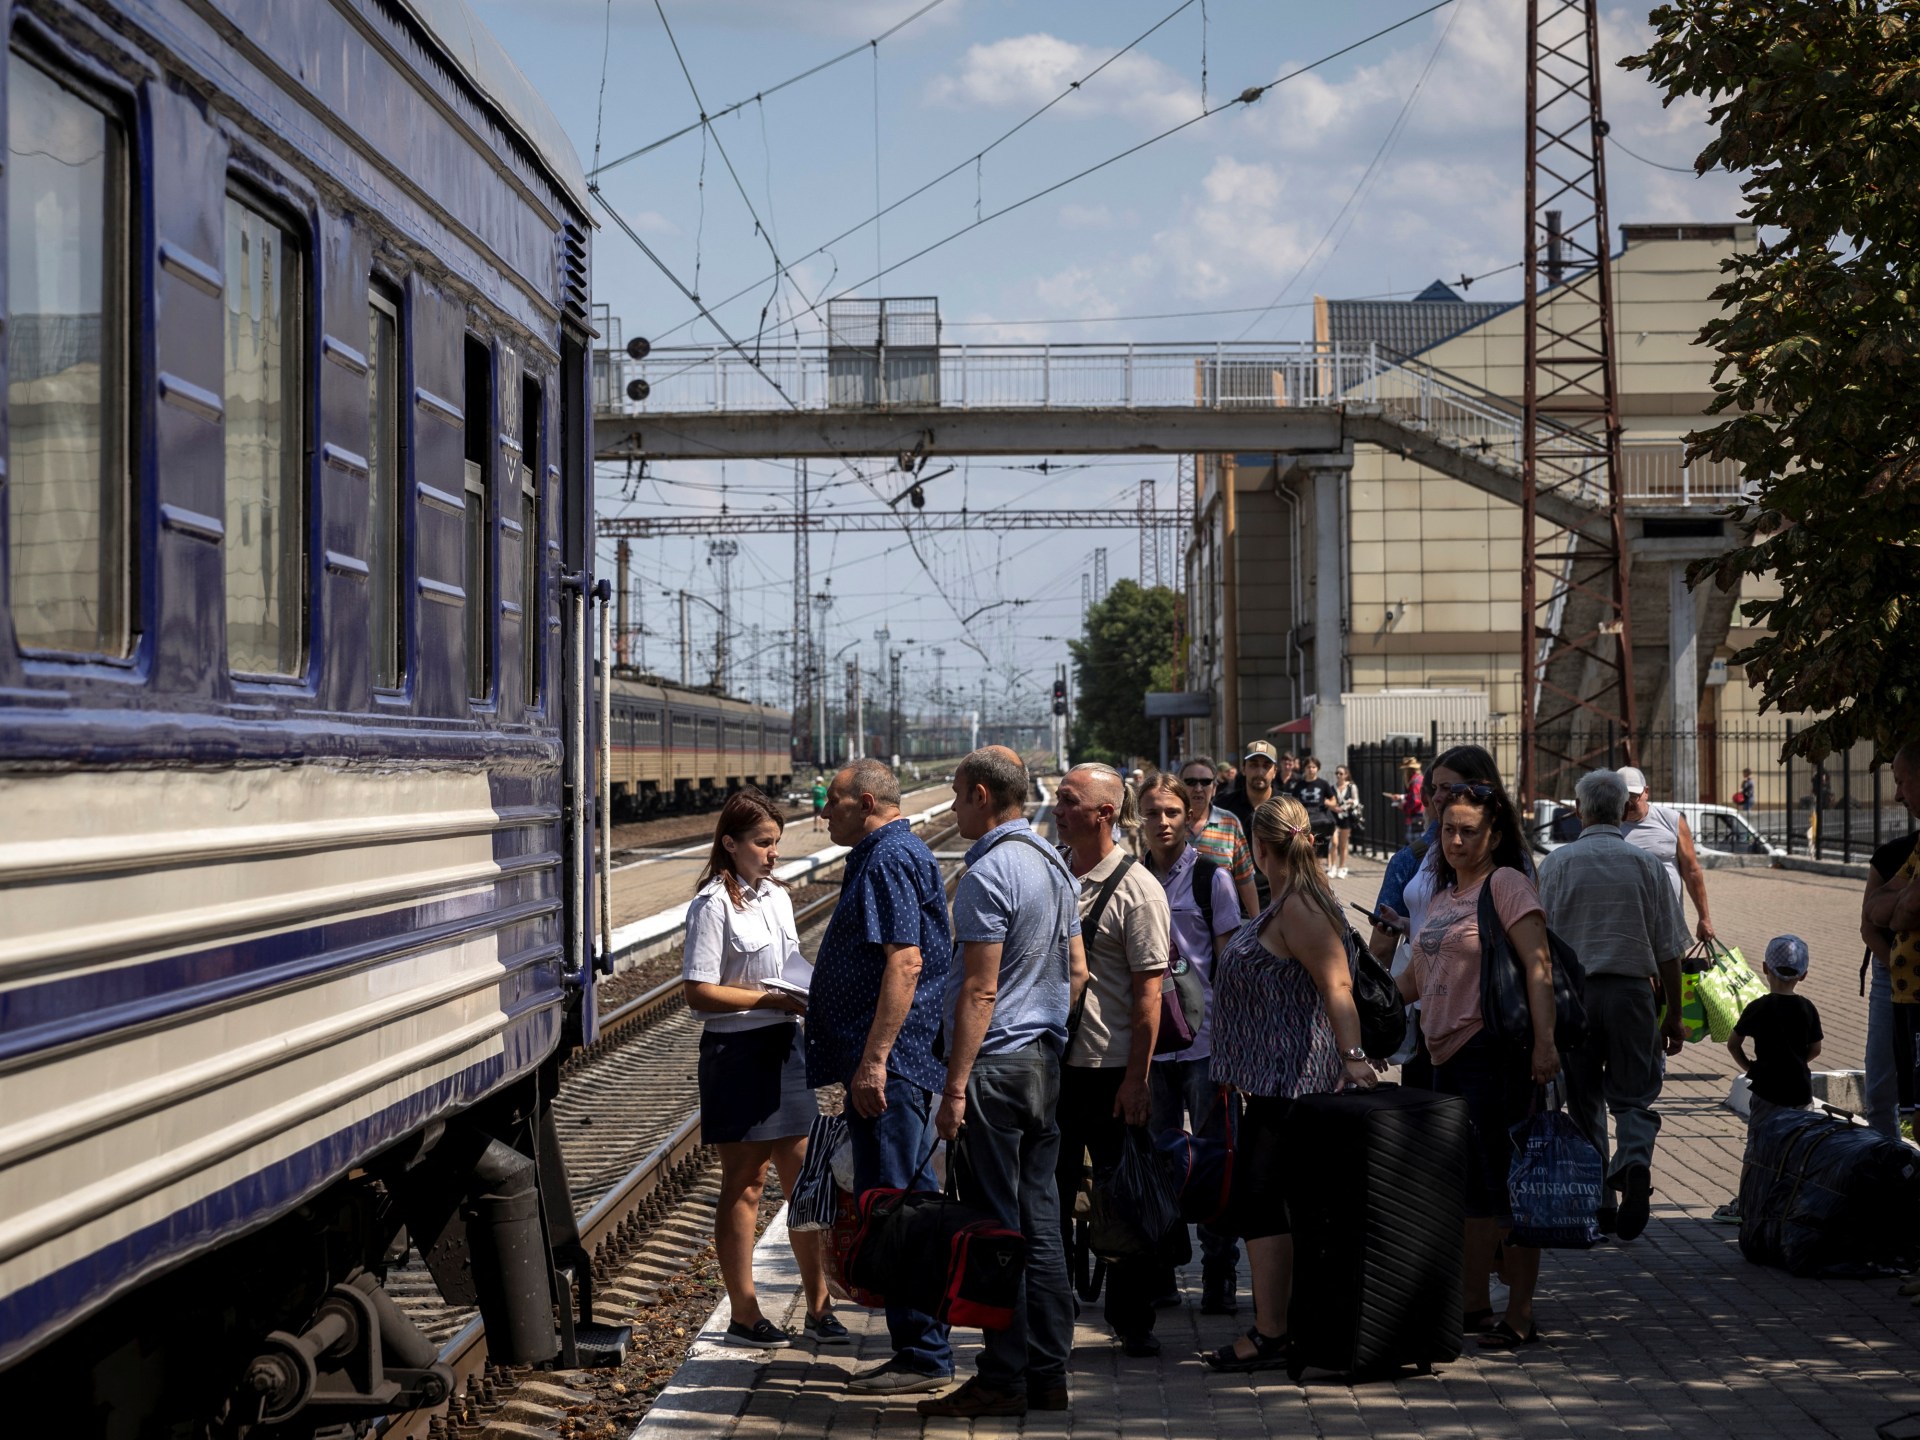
[[1717, 829]]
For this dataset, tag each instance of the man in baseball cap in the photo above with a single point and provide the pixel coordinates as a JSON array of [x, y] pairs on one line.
[[1663, 833], [1256, 788]]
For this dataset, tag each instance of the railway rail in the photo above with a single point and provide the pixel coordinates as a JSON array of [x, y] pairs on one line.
[[630, 1161]]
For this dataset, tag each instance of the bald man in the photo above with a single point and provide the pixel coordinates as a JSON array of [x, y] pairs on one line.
[[1126, 931]]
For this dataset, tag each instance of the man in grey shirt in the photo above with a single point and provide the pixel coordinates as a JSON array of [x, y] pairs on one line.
[[1613, 904], [1016, 918]]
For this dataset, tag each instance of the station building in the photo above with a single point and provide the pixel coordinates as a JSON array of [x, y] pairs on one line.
[[1430, 571]]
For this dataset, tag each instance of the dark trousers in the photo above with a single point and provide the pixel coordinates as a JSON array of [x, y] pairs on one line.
[[885, 1151], [1617, 1072], [1005, 1162], [1088, 1124], [1184, 1097]]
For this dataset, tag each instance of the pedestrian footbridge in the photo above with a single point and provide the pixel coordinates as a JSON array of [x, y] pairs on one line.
[[716, 402]]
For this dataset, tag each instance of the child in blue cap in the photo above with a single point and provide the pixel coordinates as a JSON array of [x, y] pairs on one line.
[[1784, 1028]]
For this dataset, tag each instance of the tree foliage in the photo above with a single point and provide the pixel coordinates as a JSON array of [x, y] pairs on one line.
[[1126, 651], [1819, 341]]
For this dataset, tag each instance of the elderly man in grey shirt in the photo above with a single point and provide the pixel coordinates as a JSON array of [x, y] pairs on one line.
[[1613, 904]]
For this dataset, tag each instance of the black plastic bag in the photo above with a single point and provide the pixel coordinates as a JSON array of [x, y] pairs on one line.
[[1134, 1203]]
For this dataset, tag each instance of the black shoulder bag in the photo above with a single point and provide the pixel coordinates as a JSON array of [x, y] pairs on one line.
[[1089, 927], [1505, 1011]]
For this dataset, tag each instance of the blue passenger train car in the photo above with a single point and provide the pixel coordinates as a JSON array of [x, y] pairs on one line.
[[295, 732]]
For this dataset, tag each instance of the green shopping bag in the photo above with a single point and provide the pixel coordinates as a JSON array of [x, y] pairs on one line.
[[1693, 1010], [1726, 988]]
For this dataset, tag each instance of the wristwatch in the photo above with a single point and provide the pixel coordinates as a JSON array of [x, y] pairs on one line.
[[1356, 1053]]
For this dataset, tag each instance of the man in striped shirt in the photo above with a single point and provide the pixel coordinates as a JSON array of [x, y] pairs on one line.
[[1216, 834]]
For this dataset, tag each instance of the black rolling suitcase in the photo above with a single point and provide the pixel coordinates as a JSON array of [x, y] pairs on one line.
[[1376, 1195]]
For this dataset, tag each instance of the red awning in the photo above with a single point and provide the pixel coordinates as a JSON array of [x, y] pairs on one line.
[[1302, 726]]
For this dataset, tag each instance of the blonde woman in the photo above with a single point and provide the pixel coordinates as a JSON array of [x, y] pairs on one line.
[[1284, 1025]]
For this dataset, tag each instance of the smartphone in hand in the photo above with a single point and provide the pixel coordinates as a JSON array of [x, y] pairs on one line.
[[1383, 919]]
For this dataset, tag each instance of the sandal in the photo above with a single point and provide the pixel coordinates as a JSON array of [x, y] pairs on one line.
[[1504, 1337], [1476, 1321], [1269, 1353]]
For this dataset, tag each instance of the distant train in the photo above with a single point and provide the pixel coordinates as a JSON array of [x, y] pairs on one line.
[[675, 749]]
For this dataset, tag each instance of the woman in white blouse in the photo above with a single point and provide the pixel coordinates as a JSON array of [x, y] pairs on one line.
[[755, 1106]]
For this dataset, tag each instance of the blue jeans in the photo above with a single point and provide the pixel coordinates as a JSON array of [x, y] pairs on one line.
[[1005, 1164], [1183, 1094], [885, 1151], [1883, 1077]]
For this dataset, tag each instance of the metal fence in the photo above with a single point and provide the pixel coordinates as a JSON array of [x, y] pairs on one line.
[[1841, 809]]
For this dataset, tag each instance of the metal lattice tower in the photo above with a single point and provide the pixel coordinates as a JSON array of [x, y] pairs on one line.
[[1576, 648], [1099, 574], [1149, 536]]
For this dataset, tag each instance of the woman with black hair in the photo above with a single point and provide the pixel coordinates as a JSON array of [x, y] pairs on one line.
[[1481, 847]]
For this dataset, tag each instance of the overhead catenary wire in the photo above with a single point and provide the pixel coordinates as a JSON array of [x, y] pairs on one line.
[[780, 271], [760, 94], [1387, 142], [881, 212]]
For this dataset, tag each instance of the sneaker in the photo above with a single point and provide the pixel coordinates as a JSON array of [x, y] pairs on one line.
[[1728, 1214], [1168, 1301], [971, 1400], [1636, 1197], [1140, 1347], [826, 1329], [763, 1334], [1218, 1291], [1343, 872], [893, 1378]]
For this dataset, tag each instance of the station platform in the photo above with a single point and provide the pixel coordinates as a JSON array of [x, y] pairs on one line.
[[1674, 1334]]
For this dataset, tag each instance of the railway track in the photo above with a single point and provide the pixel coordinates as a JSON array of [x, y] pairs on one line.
[[639, 1174]]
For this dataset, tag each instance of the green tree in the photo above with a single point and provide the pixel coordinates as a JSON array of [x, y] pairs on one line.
[[1127, 650], [1819, 370]]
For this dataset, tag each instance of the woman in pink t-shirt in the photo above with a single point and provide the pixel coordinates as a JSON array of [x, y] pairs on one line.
[[1481, 845]]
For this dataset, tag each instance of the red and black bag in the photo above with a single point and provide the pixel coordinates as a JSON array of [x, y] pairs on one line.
[[1199, 1164], [927, 1250]]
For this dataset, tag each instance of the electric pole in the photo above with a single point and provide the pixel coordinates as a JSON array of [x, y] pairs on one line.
[[816, 681], [723, 551]]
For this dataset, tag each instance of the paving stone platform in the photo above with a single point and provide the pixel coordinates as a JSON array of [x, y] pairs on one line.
[[1672, 1335]]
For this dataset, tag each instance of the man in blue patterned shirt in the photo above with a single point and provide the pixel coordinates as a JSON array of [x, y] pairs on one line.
[[871, 1020]]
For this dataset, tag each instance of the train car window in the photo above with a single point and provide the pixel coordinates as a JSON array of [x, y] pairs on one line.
[[386, 561], [70, 551], [530, 461], [266, 536], [479, 581]]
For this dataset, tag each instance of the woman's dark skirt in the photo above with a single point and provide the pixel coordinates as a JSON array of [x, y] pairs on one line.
[[753, 1085]]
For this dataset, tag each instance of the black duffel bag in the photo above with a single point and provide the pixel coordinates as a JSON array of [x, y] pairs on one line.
[[925, 1249], [1820, 1196]]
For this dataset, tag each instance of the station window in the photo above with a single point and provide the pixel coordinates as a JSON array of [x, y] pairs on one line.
[[70, 551], [265, 451], [531, 627], [386, 562], [479, 544]]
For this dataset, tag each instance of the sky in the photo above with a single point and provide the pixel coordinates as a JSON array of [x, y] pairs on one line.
[[1373, 174]]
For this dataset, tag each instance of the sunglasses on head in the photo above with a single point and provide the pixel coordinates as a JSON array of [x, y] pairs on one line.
[[1462, 790]]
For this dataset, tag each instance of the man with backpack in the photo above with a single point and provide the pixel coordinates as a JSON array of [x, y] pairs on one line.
[[1018, 925]]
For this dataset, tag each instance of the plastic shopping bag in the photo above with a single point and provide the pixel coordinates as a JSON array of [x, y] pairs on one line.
[[1554, 1184], [1134, 1203], [1693, 1010], [1726, 988]]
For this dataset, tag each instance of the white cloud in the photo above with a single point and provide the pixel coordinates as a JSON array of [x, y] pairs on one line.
[[1026, 71], [652, 222]]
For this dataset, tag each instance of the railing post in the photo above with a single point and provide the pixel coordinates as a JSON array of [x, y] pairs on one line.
[[1686, 489], [1046, 376], [1219, 375], [1130, 375], [1792, 799], [963, 377]]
